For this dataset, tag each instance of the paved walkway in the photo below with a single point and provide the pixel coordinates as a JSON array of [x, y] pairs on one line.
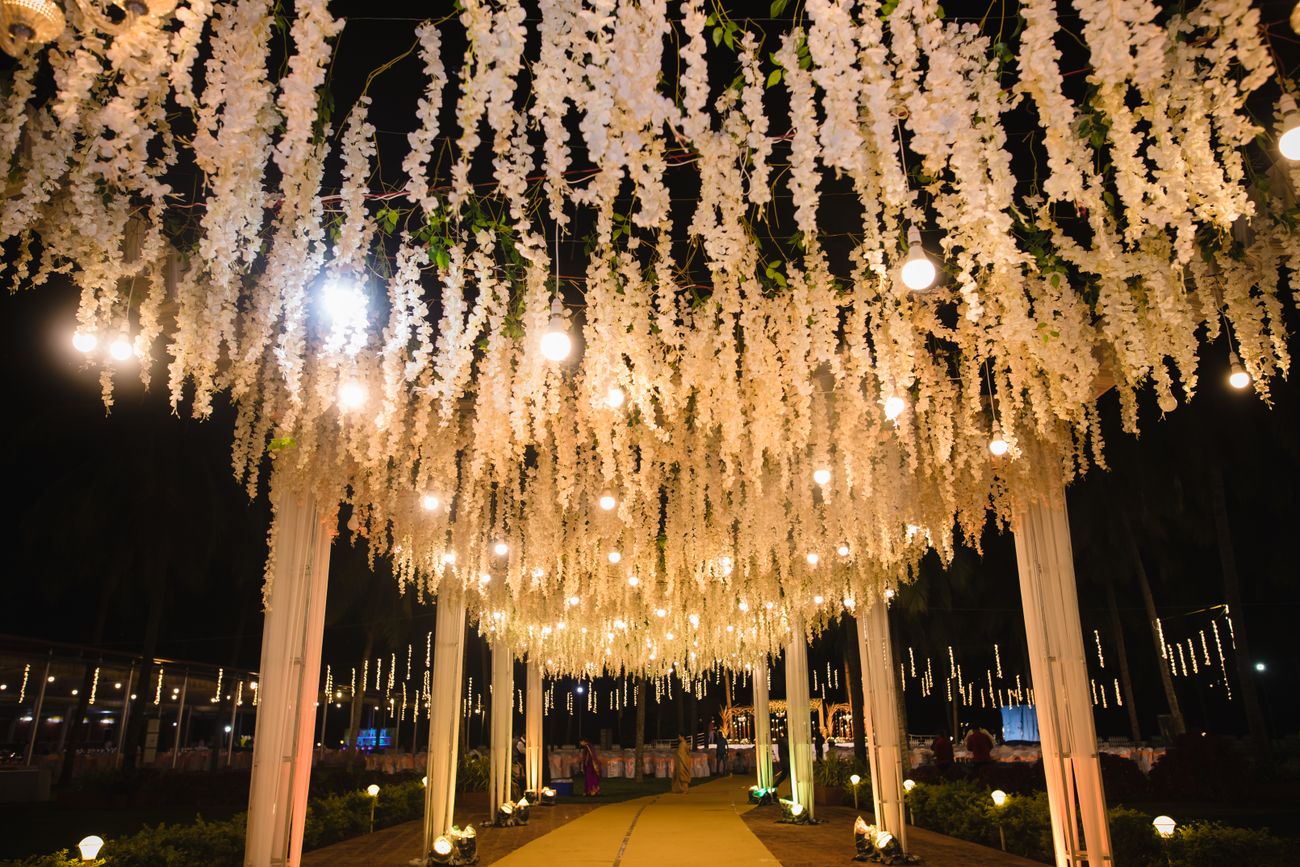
[[702, 827]]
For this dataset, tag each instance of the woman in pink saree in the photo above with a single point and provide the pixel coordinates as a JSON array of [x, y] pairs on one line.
[[590, 770]]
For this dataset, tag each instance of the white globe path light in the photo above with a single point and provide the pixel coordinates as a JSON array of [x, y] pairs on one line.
[[894, 406], [999, 797], [822, 476], [120, 349], [998, 444], [1238, 378], [90, 846], [917, 271], [556, 344], [1288, 143], [84, 341], [352, 395], [1164, 826]]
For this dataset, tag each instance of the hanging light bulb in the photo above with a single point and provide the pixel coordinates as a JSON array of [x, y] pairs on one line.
[[813, 558], [1238, 378], [344, 300], [894, 407], [998, 444], [501, 549], [607, 502], [449, 558], [842, 550], [573, 601], [917, 272], [84, 341], [822, 476], [120, 349], [633, 581], [818, 599], [556, 343], [352, 395], [429, 503], [614, 556], [614, 397], [1288, 142]]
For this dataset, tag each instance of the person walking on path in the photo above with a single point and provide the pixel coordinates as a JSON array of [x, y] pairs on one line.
[[724, 763], [682, 766]]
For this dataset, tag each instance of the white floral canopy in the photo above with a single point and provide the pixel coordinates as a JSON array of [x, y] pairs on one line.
[[747, 431]]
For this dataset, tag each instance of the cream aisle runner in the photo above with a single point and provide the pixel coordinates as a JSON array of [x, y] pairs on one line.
[[701, 827]]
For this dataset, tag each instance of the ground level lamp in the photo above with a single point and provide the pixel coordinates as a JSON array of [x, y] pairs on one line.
[[373, 791], [89, 847], [908, 786], [1164, 826], [1000, 800]]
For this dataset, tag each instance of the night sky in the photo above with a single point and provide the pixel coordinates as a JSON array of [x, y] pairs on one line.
[[108, 508]]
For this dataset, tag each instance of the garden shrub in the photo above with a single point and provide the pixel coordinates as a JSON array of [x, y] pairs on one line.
[[956, 809], [1134, 839], [1209, 844], [1026, 821], [1122, 779]]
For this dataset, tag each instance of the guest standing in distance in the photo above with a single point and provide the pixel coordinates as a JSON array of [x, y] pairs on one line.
[[682, 766], [590, 770]]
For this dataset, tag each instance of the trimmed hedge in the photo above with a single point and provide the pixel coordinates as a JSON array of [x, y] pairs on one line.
[[329, 819], [965, 810]]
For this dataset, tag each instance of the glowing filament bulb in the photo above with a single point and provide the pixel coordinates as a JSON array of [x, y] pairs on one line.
[[842, 550], [352, 395], [1289, 141], [607, 502], [614, 556], [573, 601], [822, 476], [1238, 378], [556, 344], [998, 444], [813, 558], [917, 272], [614, 398], [429, 503], [894, 407], [501, 549], [633, 581], [84, 341], [120, 349]]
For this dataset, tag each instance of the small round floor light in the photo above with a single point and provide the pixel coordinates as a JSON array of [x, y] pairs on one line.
[[89, 847], [1164, 826], [999, 797], [442, 849], [372, 790], [909, 785]]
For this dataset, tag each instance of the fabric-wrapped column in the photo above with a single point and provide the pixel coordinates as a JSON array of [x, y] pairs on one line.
[[798, 724], [1056, 661], [444, 712], [288, 688], [880, 713], [533, 727], [762, 727], [503, 694]]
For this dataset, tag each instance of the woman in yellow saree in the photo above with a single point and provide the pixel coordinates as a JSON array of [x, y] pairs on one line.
[[682, 766]]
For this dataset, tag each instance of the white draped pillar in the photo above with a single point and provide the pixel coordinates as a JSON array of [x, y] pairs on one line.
[[762, 727], [292, 630], [880, 714], [1060, 681], [499, 751], [444, 712], [798, 724], [533, 726]]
